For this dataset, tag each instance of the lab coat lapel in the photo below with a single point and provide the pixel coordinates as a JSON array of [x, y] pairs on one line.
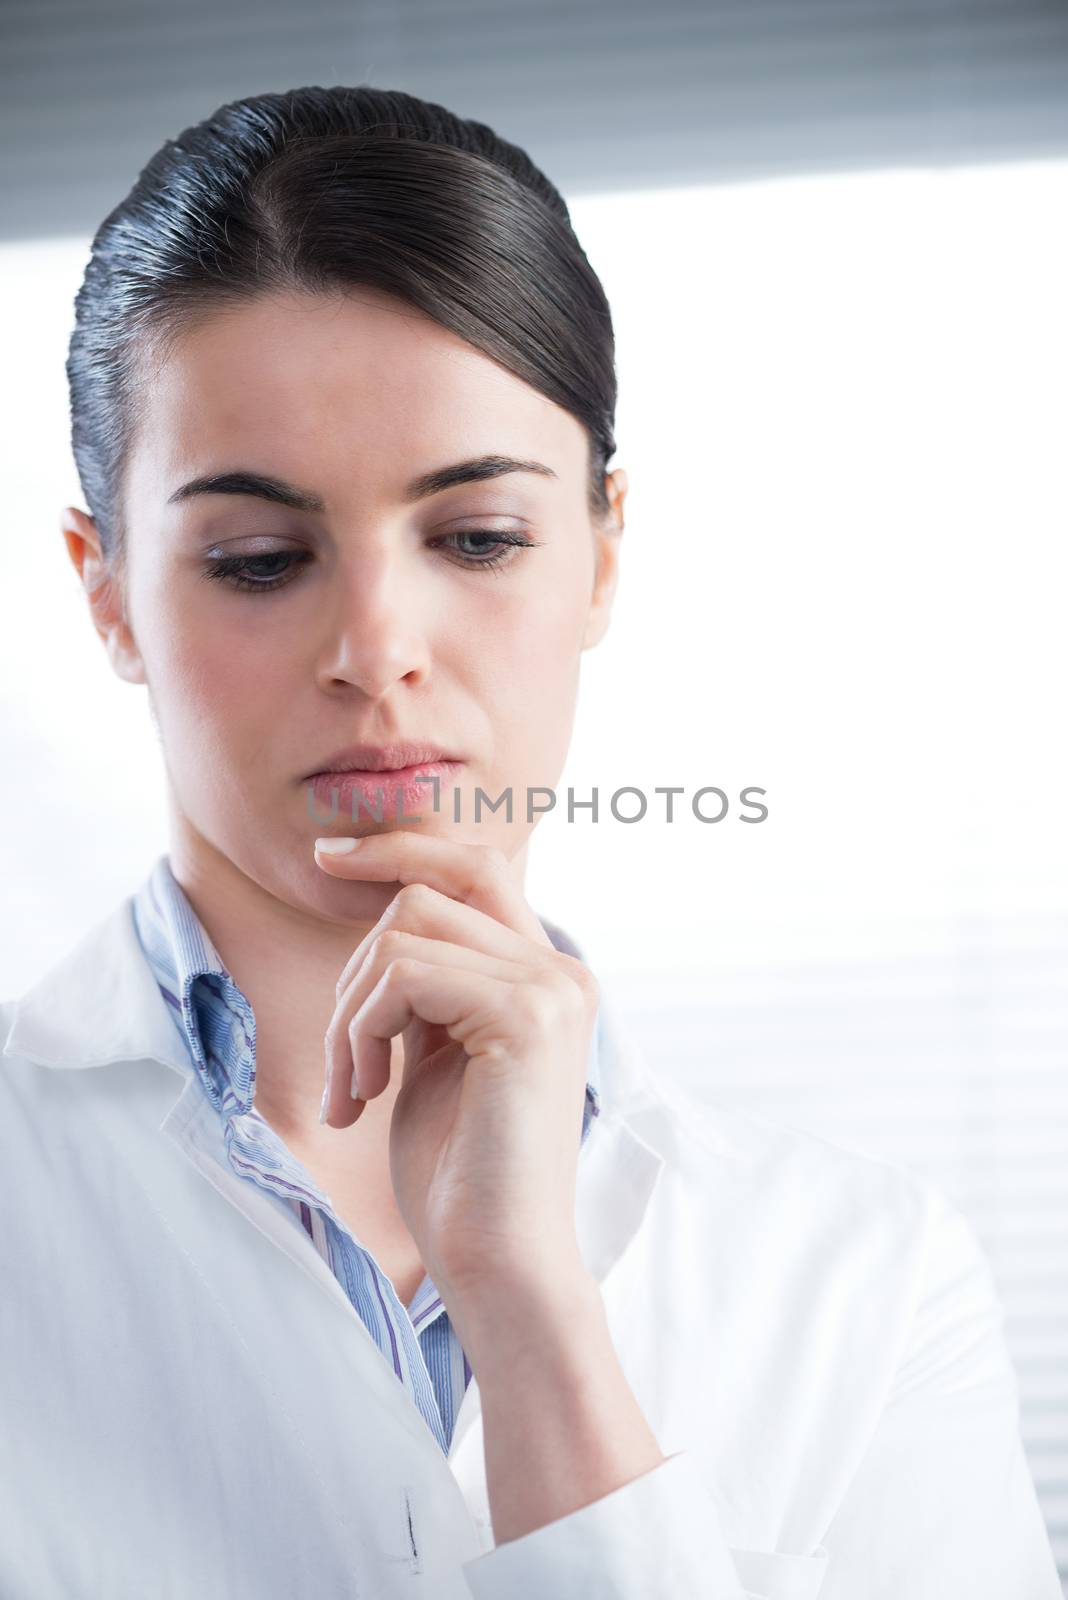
[[101, 1004], [192, 1126]]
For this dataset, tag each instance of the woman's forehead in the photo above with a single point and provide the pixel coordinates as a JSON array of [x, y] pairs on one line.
[[332, 386]]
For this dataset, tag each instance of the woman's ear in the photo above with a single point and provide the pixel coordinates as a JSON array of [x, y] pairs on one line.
[[104, 589], [607, 570]]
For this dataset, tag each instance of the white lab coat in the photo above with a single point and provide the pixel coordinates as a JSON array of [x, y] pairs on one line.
[[192, 1409]]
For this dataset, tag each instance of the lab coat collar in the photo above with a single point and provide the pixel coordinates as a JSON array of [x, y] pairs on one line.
[[101, 1003]]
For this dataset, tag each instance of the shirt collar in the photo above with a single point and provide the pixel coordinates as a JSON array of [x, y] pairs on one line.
[[212, 1014]]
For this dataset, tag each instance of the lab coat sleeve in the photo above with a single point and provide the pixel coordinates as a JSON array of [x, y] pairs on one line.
[[943, 1502], [656, 1538]]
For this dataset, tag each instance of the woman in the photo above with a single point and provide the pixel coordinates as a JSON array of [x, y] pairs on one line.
[[494, 1313]]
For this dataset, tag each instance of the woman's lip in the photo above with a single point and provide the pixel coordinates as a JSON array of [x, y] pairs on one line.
[[388, 772], [399, 786]]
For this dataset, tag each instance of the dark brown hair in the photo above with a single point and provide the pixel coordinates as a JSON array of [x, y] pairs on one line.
[[318, 189]]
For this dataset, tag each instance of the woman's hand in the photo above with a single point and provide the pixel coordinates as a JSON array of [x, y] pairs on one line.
[[496, 1024]]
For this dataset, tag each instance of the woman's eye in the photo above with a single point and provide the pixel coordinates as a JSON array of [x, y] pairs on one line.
[[264, 572], [484, 555], [239, 571]]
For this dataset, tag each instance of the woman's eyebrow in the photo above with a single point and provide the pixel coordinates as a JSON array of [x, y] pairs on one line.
[[265, 487]]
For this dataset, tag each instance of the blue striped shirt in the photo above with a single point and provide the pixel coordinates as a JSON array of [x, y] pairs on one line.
[[216, 1022]]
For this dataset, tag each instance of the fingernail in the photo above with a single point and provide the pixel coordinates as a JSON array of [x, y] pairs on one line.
[[322, 1108], [354, 1086], [335, 847]]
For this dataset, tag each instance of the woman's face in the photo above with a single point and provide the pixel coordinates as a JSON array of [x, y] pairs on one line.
[[385, 626]]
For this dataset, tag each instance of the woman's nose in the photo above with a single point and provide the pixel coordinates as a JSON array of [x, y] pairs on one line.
[[373, 630]]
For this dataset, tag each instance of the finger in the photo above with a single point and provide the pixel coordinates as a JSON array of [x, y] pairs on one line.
[[477, 874], [372, 1063], [491, 1018], [417, 908]]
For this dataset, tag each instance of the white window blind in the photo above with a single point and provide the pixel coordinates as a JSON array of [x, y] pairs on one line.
[[726, 88]]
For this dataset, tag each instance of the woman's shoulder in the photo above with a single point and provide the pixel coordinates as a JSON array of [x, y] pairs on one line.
[[867, 1257], [689, 1121], [786, 1189]]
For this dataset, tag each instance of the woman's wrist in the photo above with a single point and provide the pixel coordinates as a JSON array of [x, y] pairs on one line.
[[561, 1425], [520, 1315]]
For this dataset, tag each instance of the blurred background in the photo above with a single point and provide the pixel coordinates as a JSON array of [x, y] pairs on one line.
[[835, 240]]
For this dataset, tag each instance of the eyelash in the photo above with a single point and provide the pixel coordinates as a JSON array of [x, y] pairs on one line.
[[234, 569]]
